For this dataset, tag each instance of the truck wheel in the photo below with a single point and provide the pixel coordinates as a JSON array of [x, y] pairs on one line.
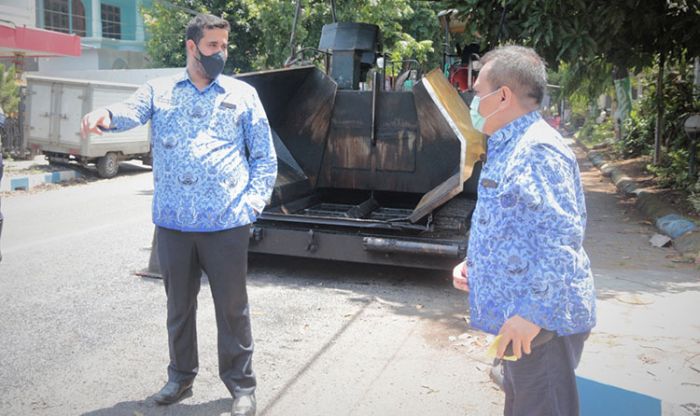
[[108, 165]]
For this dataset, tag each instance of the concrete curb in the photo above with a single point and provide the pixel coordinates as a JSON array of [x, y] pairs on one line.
[[27, 182], [684, 232]]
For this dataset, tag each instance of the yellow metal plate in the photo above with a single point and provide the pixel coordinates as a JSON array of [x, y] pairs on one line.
[[473, 143]]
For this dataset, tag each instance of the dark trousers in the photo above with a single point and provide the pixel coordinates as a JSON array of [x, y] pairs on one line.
[[543, 383], [223, 257]]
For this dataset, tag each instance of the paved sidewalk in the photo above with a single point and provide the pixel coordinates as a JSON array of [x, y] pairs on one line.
[[646, 345], [684, 231]]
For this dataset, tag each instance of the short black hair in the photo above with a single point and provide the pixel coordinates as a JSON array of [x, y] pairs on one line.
[[196, 26]]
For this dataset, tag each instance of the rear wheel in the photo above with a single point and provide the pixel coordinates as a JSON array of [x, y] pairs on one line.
[[108, 165]]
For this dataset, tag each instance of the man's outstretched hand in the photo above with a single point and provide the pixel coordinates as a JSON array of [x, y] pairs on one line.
[[95, 122], [459, 277]]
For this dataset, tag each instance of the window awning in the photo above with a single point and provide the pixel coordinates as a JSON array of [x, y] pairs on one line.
[[29, 41]]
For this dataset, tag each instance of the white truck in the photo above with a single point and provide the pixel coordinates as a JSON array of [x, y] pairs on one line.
[[55, 104]]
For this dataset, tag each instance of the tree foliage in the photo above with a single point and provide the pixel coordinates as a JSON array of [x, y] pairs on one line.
[[590, 36], [680, 100], [9, 90], [260, 30], [166, 22]]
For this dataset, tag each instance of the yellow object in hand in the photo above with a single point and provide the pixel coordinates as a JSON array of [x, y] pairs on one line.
[[493, 349]]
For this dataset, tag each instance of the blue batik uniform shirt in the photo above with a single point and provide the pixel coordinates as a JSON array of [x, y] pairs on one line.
[[214, 164], [525, 254]]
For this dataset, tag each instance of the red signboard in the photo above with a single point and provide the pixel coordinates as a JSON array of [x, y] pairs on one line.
[[35, 42]]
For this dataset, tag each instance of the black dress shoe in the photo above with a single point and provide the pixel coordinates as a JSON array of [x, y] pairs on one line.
[[172, 392], [244, 405]]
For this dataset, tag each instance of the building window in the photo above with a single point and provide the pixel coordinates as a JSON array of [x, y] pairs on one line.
[[62, 16], [111, 22]]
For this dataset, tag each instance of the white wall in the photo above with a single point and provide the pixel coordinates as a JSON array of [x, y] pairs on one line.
[[94, 59], [19, 12], [89, 59]]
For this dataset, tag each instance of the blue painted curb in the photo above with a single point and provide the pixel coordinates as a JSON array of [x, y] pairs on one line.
[[27, 182]]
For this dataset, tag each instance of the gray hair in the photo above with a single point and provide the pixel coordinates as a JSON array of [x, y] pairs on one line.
[[519, 68], [196, 26]]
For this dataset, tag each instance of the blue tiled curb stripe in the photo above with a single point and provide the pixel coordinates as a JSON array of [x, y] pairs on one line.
[[54, 177], [30, 181], [19, 183]]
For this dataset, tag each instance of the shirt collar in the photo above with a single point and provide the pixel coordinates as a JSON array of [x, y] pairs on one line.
[[185, 77], [515, 128]]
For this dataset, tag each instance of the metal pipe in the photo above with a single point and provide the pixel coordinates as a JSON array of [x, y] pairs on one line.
[[387, 245], [333, 16], [292, 39], [692, 168], [341, 222], [375, 94]]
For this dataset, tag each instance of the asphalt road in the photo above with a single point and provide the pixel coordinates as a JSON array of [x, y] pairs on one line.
[[81, 334]]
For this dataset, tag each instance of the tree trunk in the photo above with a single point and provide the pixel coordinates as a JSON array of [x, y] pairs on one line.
[[696, 75], [623, 99], [659, 108], [293, 37]]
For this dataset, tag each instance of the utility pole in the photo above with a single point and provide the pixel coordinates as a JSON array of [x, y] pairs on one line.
[[293, 38]]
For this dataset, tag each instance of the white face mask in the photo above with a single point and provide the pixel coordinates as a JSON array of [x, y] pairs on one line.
[[478, 120]]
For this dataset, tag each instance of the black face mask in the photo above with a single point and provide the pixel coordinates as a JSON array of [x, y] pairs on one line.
[[212, 64]]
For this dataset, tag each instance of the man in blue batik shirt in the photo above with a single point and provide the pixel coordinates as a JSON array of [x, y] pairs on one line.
[[526, 270], [214, 167]]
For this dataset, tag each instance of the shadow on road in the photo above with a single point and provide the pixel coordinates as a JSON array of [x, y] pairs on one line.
[[424, 294], [149, 407]]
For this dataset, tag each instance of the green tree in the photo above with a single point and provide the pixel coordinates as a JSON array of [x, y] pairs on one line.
[[166, 22], [260, 30], [9, 90], [627, 34], [595, 37]]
